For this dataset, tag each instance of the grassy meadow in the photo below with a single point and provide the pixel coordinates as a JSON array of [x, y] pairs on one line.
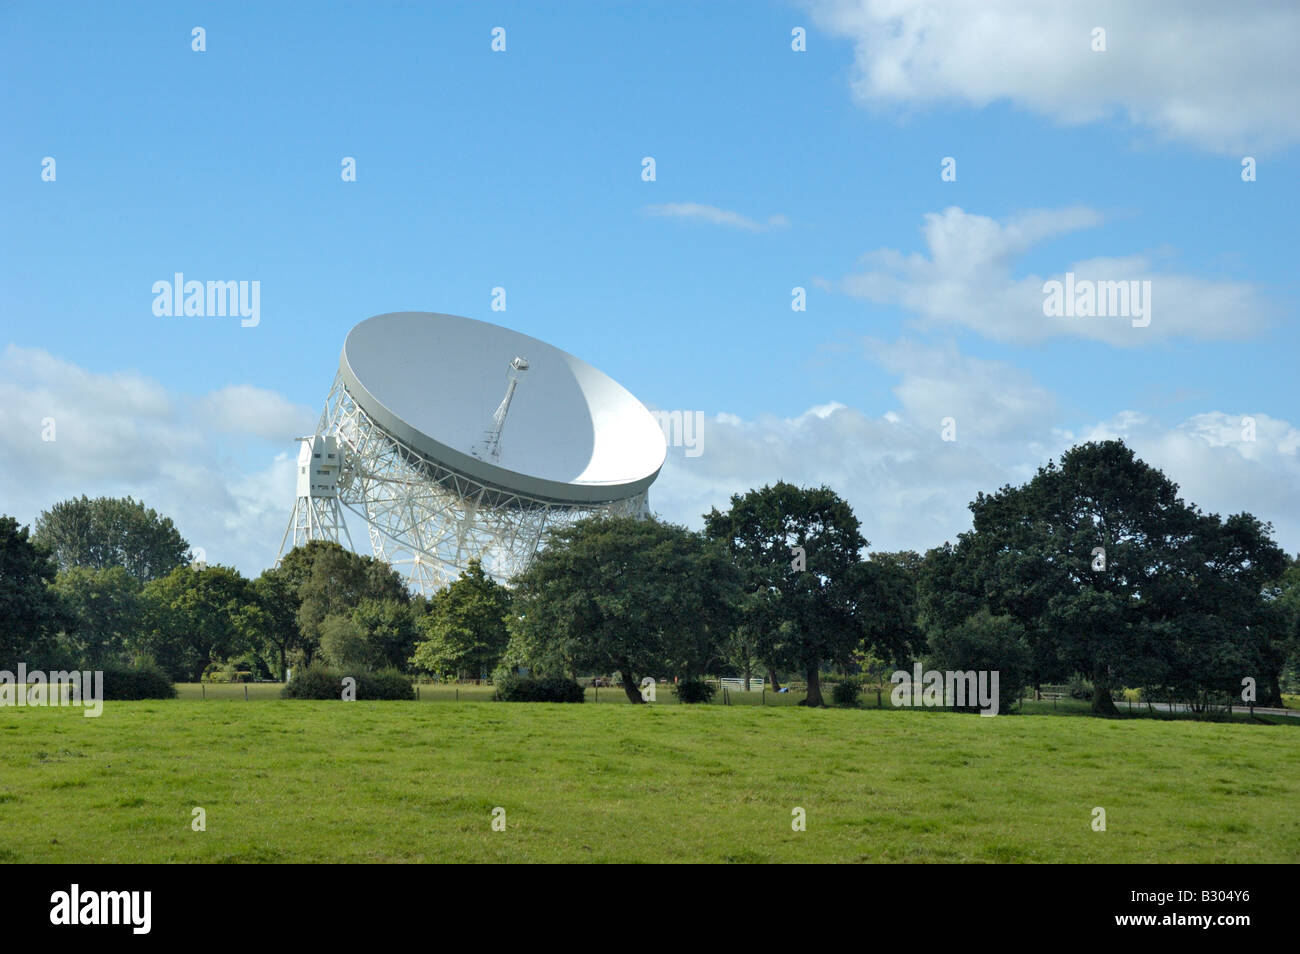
[[296, 781]]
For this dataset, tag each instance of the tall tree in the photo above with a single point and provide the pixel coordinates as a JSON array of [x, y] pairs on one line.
[[196, 616], [30, 611], [640, 597], [390, 630], [466, 629], [804, 546], [887, 605], [1104, 564], [336, 583], [112, 531], [105, 612]]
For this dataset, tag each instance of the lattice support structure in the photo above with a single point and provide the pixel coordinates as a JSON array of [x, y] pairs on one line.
[[428, 522], [316, 511], [315, 518]]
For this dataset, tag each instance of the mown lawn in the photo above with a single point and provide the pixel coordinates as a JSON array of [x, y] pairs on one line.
[[385, 781]]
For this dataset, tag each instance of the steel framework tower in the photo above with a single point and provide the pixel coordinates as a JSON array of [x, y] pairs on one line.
[[316, 512]]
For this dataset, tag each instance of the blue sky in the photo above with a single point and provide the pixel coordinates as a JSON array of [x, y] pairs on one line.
[[774, 169]]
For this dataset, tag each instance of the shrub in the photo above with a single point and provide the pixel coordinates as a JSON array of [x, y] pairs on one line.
[[846, 693], [514, 688], [1079, 688], [318, 681], [384, 684], [692, 691], [145, 681]]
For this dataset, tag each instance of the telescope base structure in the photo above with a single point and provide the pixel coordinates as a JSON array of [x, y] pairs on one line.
[[315, 518], [427, 521]]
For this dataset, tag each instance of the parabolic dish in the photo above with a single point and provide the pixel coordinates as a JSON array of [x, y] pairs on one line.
[[572, 435]]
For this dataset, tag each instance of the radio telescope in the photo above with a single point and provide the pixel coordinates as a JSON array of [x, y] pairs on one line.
[[443, 468]]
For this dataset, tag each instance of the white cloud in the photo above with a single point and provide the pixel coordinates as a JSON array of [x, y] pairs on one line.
[[1217, 468], [966, 280], [244, 409], [990, 400], [123, 434], [1221, 77], [911, 489], [229, 485], [715, 216]]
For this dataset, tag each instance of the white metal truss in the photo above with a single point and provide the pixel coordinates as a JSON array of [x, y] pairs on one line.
[[427, 521], [315, 518]]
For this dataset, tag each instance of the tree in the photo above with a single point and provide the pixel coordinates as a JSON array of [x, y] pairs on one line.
[[334, 581], [112, 531], [639, 597], [104, 611], [804, 546], [277, 594], [196, 616], [887, 605], [343, 643], [1111, 573], [1285, 593], [389, 628], [466, 629], [30, 612]]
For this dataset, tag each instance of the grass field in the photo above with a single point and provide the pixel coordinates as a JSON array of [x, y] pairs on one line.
[[262, 691], [385, 781]]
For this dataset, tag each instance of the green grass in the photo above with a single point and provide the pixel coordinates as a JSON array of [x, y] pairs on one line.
[[375, 781], [442, 692]]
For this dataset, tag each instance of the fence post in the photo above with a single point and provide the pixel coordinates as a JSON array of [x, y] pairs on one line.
[[458, 693], [245, 693], [764, 693], [204, 690]]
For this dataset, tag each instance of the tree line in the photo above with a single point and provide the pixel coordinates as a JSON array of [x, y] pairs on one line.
[[1095, 567]]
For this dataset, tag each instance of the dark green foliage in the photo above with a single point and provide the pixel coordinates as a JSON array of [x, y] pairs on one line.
[[986, 643], [619, 594], [814, 598], [695, 690], [112, 531], [846, 693], [145, 681], [515, 688], [465, 632], [385, 684], [193, 617], [105, 612], [328, 580], [1180, 601], [318, 681], [30, 611]]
